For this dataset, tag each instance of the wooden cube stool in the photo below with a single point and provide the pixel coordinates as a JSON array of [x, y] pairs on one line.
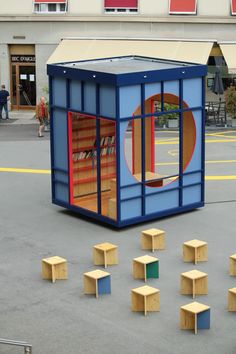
[[232, 265], [195, 251], [194, 283], [195, 316], [145, 267], [97, 282], [145, 299], [232, 299], [105, 254], [54, 268], [153, 239]]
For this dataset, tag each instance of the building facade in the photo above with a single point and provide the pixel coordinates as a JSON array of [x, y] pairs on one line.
[[31, 31]]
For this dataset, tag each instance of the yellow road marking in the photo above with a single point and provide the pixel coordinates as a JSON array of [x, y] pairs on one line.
[[174, 152], [220, 178], [34, 171], [221, 133], [24, 170], [207, 141], [223, 136], [208, 162]]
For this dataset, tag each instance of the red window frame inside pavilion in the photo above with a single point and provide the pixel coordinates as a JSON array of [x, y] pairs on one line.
[[183, 7]]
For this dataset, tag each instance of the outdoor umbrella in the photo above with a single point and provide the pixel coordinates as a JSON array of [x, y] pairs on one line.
[[218, 87]]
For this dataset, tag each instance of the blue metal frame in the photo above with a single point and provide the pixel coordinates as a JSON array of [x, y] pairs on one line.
[[184, 72], [181, 143], [143, 149], [118, 204], [118, 81]]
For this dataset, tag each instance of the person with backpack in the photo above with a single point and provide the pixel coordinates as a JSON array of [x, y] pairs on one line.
[[41, 115]]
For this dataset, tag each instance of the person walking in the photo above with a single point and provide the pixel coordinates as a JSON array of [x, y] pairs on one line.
[[41, 115], [4, 98]]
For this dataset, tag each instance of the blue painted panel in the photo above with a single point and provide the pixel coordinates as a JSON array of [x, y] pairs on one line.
[[131, 209], [126, 176], [162, 201], [90, 97], [61, 192], [196, 161], [130, 100], [174, 184], [130, 192], [190, 86], [191, 195], [104, 285], [59, 92], [171, 87], [60, 139], [108, 101], [75, 95], [152, 89], [61, 176], [203, 320], [193, 178]]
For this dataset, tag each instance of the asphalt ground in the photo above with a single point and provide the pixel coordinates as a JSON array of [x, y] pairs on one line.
[[58, 318]]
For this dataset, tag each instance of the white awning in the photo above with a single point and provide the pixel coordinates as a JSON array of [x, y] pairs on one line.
[[229, 53], [84, 49]]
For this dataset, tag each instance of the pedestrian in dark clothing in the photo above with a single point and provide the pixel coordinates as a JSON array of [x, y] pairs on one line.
[[4, 98]]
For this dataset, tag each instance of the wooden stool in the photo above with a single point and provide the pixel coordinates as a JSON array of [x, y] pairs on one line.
[[232, 299], [97, 282], [232, 265], [153, 239], [145, 299], [54, 268], [145, 267], [105, 254], [195, 316], [194, 283], [195, 251]]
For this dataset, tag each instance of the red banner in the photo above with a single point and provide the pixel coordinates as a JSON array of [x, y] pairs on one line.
[[50, 1], [183, 6], [121, 4], [233, 7]]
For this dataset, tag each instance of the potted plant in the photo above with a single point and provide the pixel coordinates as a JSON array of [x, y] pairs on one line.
[[172, 118], [230, 101]]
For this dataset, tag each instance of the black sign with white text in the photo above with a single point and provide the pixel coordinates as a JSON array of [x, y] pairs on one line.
[[23, 58]]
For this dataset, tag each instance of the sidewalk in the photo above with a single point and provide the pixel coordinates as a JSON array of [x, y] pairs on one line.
[[28, 117], [20, 118]]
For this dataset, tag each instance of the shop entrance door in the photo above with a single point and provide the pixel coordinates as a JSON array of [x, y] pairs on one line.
[[23, 88]]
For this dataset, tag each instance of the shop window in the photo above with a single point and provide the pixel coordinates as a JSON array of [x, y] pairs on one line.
[[188, 7], [121, 6], [162, 149], [43, 6], [233, 7]]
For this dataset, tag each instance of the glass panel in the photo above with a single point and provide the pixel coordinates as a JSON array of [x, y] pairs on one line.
[[13, 98], [83, 176], [36, 7], [189, 138], [43, 7], [27, 85], [166, 152], [108, 167], [52, 7], [62, 7], [161, 147]]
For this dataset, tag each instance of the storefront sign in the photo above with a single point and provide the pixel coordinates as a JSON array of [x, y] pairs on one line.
[[23, 58]]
